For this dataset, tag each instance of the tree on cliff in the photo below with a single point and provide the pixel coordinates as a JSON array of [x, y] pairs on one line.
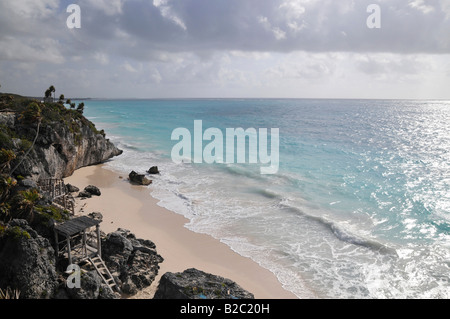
[[49, 91], [32, 114], [80, 107]]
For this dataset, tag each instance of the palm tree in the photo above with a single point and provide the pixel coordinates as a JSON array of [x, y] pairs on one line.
[[7, 183], [52, 90], [49, 91], [25, 202], [6, 157], [80, 107]]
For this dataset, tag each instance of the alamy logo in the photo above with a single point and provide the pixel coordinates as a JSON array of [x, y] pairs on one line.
[[374, 20], [74, 19], [74, 280], [213, 152]]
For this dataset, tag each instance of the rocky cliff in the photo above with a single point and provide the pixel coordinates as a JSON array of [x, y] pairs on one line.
[[64, 139], [27, 261]]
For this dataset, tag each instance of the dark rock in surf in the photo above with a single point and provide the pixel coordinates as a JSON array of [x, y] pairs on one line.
[[139, 179], [153, 170]]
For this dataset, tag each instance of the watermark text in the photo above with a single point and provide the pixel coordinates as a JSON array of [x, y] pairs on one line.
[[229, 149]]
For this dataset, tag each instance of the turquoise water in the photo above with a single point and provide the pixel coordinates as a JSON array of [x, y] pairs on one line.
[[360, 205]]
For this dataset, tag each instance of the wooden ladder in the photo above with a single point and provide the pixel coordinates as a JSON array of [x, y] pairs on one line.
[[104, 273]]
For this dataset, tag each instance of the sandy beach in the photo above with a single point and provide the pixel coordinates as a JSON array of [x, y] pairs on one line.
[[128, 206]]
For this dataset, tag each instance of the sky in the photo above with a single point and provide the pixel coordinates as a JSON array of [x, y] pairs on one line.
[[227, 48]]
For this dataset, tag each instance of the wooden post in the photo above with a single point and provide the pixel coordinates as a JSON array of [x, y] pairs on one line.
[[57, 243], [84, 247], [68, 249], [99, 242]]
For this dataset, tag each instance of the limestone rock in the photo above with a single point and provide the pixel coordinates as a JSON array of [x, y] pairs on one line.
[[27, 261], [196, 284], [84, 194], [93, 190], [96, 216], [71, 188], [139, 179], [92, 287], [28, 183], [135, 261], [59, 151]]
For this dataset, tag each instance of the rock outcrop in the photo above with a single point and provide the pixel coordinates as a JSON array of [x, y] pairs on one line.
[[92, 287], [60, 149], [139, 179], [72, 188], [153, 170], [135, 262], [27, 261], [93, 190], [196, 284]]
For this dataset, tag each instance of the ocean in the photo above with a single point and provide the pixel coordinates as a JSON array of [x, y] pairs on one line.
[[358, 208]]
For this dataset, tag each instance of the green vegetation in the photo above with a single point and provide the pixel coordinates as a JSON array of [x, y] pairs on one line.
[[19, 140], [80, 107], [48, 213], [24, 203], [49, 91], [6, 157], [14, 232], [31, 114]]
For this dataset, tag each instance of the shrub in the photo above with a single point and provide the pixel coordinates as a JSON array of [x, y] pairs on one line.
[[32, 113], [24, 202], [6, 157], [16, 232], [5, 141]]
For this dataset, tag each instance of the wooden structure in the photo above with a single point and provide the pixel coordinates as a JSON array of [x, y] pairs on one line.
[[79, 243], [56, 190]]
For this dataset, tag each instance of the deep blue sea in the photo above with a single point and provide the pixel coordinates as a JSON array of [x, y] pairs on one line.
[[360, 205]]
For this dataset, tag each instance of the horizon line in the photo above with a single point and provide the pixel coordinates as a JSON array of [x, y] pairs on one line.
[[241, 98]]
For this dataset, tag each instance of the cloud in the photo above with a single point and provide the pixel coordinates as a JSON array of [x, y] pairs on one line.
[[166, 11], [33, 50], [224, 47], [421, 6], [108, 7], [127, 66], [143, 30], [101, 58]]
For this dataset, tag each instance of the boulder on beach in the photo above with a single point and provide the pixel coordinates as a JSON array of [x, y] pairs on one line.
[[153, 170], [84, 194], [139, 179], [71, 188], [196, 284], [93, 190]]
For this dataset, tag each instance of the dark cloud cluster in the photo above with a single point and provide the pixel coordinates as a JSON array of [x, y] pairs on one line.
[[142, 28], [168, 41], [413, 26]]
